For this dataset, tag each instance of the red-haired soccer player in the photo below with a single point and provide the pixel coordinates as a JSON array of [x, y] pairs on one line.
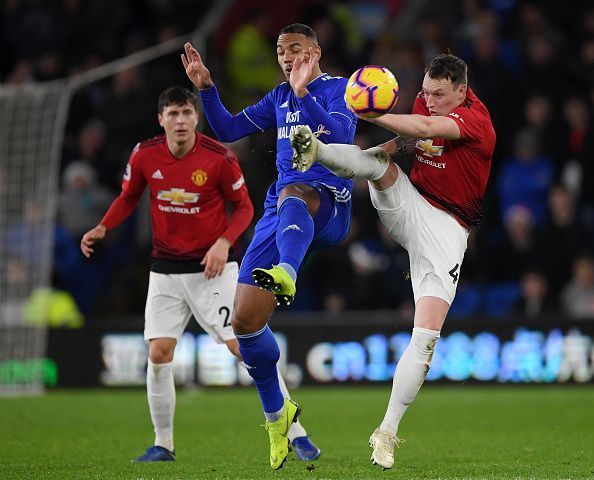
[[429, 214]]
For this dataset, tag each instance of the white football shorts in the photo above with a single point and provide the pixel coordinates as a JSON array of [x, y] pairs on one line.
[[434, 239], [173, 298]]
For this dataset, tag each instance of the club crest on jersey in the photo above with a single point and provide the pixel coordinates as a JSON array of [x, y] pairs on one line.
[[178, 196], [428, 148], [199, 177]]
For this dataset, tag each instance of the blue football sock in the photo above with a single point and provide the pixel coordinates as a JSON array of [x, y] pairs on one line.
[[295, 231], [260, 353]]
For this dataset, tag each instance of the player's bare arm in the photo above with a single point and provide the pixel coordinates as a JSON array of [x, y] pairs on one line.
[[195, 68], [399, 145], [216, 258], [304, 67], [89, 238], [419, 126]]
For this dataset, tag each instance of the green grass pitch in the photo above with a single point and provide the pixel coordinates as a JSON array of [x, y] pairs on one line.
[[451, 432]]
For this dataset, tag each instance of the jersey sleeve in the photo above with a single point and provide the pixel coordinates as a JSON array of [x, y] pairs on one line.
[[262, 115], [227, 127], [234, 189], [231, 181], [471, 123], [337, 120], [133, 184]]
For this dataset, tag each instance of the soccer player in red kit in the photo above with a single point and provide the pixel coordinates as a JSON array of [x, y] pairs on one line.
[[429, 214], [191, 178]]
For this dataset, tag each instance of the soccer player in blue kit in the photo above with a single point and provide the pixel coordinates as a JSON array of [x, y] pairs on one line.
[[302, 211]]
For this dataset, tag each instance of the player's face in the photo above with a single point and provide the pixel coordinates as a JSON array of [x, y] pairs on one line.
[[441, 95], [179, 122], [289, 46]]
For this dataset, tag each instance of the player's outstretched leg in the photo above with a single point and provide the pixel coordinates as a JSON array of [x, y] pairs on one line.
[[305, 449], [410, 374], [346, 161], [161, 398]]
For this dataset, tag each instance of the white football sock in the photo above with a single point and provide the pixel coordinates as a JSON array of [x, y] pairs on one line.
[[409, 376], [161, 398], [296, 429], [348, 161]]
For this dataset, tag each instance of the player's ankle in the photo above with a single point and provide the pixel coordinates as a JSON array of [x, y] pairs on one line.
[[378, 162], [274, 416], [289, 269]]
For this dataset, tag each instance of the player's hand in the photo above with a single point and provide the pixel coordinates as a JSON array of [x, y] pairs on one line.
[[195, 68], [303, 67], [89, 238], [216, 258]]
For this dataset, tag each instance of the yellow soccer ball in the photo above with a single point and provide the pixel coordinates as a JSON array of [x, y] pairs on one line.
[[372, 91]]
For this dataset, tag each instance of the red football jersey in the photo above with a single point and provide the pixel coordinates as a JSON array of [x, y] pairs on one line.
[[188, 210], [452, 174]]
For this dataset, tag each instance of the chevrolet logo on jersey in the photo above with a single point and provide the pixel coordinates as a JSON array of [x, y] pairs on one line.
[[178, 196], [428, 148]]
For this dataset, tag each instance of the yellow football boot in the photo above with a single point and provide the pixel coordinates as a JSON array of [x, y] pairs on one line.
[[278, 432], [278, 281]]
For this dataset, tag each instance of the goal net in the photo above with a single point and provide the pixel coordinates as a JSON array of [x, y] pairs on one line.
[[32, 123]]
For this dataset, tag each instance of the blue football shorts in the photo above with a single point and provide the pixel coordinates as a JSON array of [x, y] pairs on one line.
[[331, 225]]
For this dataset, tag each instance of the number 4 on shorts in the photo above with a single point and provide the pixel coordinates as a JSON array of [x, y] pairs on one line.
[[454, 273]]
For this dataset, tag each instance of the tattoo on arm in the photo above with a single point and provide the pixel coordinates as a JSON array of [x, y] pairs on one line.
[[399, 145], [404, 144]]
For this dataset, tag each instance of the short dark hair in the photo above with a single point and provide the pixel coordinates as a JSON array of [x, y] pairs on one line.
[[176, 96], [301, 29], [450, 67]]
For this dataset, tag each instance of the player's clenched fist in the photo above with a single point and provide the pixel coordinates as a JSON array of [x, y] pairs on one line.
[[195, 68]]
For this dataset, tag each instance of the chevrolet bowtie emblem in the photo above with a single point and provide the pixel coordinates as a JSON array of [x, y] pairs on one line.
[[178, 196], [428, 148]]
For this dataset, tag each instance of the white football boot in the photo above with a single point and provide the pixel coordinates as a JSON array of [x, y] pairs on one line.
[[305, 148], [383, 448]]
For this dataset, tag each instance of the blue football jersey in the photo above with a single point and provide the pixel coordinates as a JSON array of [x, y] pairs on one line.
[[282, 110]]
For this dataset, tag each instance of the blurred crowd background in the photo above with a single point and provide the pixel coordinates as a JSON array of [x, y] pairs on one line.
[[532, 64]]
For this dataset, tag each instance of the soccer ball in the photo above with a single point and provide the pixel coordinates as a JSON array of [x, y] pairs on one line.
[[371, 91]]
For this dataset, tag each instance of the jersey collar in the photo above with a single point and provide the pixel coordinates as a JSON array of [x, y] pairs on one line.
[[317, 78], [190, 152]]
